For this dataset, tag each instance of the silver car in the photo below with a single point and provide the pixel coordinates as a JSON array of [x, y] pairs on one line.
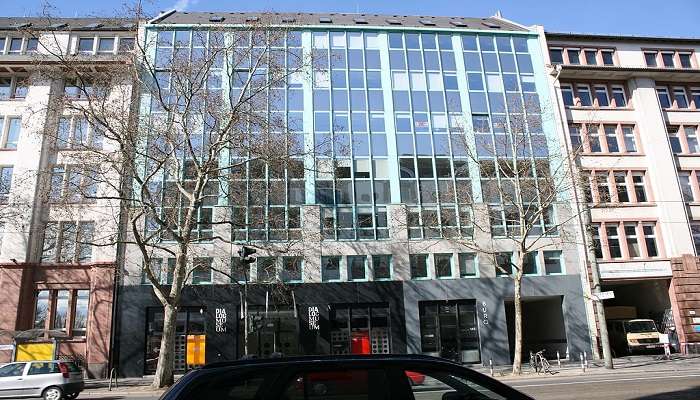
[[52, 380]]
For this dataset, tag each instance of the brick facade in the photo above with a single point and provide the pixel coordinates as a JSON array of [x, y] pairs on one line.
[[685, 298], [20, 282]]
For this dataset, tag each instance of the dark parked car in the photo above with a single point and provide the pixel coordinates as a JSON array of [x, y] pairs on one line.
[[372, 377]]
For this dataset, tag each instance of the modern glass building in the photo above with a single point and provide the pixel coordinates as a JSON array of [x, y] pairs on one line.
[[404, 114]]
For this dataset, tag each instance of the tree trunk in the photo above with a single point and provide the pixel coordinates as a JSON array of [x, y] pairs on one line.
[[517, 302], [166, 356]]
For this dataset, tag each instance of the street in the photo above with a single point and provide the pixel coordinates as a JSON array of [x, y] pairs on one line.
[[635, 386], [669, 385]]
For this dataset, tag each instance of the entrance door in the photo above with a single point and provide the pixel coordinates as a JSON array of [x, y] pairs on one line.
[[449, 329], [449, 339]]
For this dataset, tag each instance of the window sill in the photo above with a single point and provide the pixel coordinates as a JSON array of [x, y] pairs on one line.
[[622, 205], [599, 154], [589, 108], [631, 260], [8, 149], [674, 109]]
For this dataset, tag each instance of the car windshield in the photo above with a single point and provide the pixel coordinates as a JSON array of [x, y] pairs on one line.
[[640, 326]]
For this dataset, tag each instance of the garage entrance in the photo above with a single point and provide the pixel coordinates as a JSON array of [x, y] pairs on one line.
[[648, 298], [642, 299], [543, 326]]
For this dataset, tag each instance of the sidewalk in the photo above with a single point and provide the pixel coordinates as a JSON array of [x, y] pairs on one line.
[[623, 365]]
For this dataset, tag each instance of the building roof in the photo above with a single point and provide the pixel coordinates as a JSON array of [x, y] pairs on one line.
[[618, 38], [336, 19], [67, 24]]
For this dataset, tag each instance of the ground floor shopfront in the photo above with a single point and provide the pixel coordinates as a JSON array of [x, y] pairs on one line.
[[465, 320]]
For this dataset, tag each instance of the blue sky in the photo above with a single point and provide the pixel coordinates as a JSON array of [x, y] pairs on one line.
[[635, 17]]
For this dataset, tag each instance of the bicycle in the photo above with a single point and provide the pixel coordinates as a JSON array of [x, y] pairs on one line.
[[539, 363]]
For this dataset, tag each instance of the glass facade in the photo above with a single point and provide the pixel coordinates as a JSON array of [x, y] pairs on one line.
[[389, 118]]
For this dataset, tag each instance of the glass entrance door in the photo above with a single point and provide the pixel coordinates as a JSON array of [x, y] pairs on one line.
[[449, 329]]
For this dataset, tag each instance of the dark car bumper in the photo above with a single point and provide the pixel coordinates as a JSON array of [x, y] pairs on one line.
[[73, 387]]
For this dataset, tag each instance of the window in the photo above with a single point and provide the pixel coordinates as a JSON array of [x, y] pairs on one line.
[[674, 139], [632, 241], [80, 315], [419, 266], [575, 135], [5, 183], [556, 56], [504, 264], [126, 45], [629, 138], [357, 266], [266, 269], [593, 138], [621, 186], [685, 60], [530, 263], [584, 95], [567, 93], [607, 56], [15, 45], [41, 310], [43, 367], [78, 133], [664, 98], [618, 95], [686, 186], [680, 97], [85, 44], [613, 241], [692, 139], [10, 370], [695, 229], [330, 268], [67, 242], [62, 309], [467, 265], [667, 58], [601, 95], [552, 262], [381, 266], [649, 230], [597, 244], [11, 131], [105, 45], [443, 265], [201, 272], [330, 384], [611, 138], [292, 269], [650, 58], [639, 187], [573, 55], [591, 57]]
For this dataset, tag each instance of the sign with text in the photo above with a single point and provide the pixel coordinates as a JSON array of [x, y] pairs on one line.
[[220, 320], [605, 295], [314, 318]]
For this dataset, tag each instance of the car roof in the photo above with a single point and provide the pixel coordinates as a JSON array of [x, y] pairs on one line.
[[331, 359]]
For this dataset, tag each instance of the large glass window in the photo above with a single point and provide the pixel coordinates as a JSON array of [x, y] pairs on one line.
[[41, 310], [357, 268], [80, 316]]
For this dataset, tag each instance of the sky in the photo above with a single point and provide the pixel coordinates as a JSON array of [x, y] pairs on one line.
[[677, 18]]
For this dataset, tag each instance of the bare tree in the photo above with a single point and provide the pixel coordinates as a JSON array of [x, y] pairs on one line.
[[182, 138], [524, 207]]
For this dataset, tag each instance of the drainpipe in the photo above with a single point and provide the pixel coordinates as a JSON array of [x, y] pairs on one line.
[[584, 220]]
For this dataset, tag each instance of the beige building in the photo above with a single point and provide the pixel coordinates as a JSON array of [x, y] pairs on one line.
[[631, 107], [54, 283]]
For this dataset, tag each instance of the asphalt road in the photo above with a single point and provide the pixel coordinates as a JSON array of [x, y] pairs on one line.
[[670, 385]]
